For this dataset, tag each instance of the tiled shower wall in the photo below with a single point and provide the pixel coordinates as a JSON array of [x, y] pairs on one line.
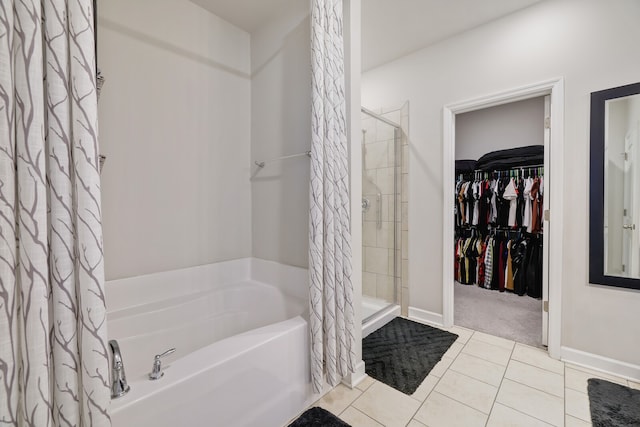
[[385, 256]]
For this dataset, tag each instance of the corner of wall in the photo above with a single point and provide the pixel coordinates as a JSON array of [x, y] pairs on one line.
[[281, 126]]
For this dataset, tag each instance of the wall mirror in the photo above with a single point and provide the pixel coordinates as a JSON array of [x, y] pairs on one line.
[[614, 224]]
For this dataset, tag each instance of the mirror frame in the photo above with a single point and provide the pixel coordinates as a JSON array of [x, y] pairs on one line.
[[596, 190]]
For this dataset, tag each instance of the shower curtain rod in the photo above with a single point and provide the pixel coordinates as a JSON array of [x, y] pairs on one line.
[[263, 163]]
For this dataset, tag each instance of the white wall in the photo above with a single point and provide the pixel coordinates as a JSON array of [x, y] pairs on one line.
[[174, 125], [588, 42], [517, 124], [280, 126]]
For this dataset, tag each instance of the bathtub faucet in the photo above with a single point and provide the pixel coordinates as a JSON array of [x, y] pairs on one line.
[[119, 386], [156, 370]]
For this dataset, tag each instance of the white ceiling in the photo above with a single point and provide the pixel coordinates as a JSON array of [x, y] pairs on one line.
[[246, 14], [394, 28], [390, 28]]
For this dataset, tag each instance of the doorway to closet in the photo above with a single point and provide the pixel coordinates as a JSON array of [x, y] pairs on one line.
[[499, 206], [553, 203]]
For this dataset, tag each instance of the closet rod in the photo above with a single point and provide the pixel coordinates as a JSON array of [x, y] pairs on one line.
[[510, 169], [539, 169]]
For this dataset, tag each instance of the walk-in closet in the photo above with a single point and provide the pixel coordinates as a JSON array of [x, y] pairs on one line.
[[499, 208]]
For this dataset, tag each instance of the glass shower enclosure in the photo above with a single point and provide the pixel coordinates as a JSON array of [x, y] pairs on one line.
[[380, 213]]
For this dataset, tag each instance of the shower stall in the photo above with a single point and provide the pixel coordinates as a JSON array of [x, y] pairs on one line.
[[381, 226]]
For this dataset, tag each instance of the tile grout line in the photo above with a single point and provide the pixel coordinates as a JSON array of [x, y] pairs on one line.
[[432, 390], [485, 360], [524, 362], [457, 401], [535, 388], [495, 399], [532, 416], [358, 397], [356, 409], [540, 367], [476, 379], [498, 387], [527, 415], [510, 379], [472, 336], [564, 399], [564, 379], [513, 342], [449, 368], [465, 375], [369, 386], [437, 382]]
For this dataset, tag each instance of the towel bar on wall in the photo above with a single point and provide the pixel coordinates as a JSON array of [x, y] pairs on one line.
[[263, 163]]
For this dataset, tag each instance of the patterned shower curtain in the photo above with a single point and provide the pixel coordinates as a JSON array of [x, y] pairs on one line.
[[331, 291], [54, 367]]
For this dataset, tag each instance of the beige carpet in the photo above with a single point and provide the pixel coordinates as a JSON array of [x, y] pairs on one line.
[[502, 314]]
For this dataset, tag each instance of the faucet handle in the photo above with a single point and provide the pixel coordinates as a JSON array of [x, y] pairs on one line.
[[166, 353], [156, 370]]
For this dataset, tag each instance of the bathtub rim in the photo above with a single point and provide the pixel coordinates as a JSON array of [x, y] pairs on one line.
[[205, 359]]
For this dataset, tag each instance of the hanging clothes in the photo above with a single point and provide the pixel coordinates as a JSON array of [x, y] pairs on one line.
[[498, 223], [511, 195], [519, 264], [535, 215], [485, 204], [526, 221], [475, 188], [539, 205], [502, 203], [502, 262], [456, 263], [520, 202], [488, 262], [493, 215], [509, 270], [534, 269], [481, 247], [461, 204]]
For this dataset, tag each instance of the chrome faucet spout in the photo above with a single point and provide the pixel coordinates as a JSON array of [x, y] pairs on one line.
[[119, 386]]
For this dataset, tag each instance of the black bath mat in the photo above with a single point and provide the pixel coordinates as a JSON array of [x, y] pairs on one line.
[[318, 417], [613, 404], [402, 353]]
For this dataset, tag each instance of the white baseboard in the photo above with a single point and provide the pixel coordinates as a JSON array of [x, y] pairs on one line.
[[356, 377], [600, 363], [425, 316]]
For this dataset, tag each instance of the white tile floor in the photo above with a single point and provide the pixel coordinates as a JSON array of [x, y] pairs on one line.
[[482, 380]]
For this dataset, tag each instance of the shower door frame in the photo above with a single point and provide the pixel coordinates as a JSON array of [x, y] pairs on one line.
[[397, 129], [553, 156]]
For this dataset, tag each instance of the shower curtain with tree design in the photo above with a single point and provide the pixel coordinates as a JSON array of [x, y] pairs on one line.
[[54, 367], [331, 290]]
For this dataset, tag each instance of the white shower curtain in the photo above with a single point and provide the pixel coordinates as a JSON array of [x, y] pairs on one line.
[[54, 367], [331, 291]]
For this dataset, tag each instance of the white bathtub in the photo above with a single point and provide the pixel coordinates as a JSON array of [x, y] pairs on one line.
[[241, 342]]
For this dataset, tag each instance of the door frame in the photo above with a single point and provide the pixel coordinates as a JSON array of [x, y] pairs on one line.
[[553, 193]]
